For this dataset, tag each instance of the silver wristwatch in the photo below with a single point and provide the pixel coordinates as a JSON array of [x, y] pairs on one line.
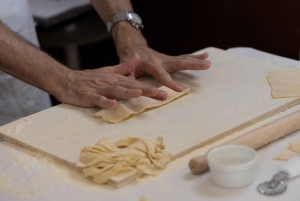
[[132, 17]]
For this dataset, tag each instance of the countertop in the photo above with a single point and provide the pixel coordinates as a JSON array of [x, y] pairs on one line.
[[30, 176]]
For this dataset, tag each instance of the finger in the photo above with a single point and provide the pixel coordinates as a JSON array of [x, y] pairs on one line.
[[101, 101], [117, 91], [147, 90], [127, 67], [199, 56], [164, 77], [187, 58], [186, 64]]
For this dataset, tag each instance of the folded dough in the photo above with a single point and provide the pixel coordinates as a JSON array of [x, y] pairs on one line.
[[106, 159], [136, 106], [284, 84]]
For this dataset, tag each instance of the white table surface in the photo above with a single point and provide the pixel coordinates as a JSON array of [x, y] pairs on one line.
[[28, 176]]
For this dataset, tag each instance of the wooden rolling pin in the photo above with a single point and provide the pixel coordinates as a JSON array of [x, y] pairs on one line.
[[256, 138]]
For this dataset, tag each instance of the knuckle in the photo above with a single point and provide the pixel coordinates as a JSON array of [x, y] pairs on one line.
[[115, 89], [109, 89]]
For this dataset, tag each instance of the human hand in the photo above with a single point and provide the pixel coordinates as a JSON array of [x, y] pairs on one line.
[[101, 87], [160, 65], [129, 41]]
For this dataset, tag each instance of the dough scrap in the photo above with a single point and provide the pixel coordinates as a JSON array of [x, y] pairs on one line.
[[284, 84], [289, 152], [143, 198], [106, 159], [136, 106], [295, 146], [285, 155]]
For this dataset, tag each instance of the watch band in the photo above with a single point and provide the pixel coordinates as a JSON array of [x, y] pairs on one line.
[[132, 17]]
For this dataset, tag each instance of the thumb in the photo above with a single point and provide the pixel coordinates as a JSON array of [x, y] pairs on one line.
[[127, 67]]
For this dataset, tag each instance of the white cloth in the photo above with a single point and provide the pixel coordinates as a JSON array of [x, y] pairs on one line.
[[18, 99]]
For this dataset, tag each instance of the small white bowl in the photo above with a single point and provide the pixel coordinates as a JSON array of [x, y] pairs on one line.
[[232, 166]]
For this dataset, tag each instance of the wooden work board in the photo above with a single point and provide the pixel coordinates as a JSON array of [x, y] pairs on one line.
[[230, 96]]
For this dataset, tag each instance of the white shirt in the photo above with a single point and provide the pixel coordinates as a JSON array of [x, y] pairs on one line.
[[18, 99]]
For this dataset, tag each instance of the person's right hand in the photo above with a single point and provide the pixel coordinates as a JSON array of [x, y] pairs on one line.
[[101, 87]]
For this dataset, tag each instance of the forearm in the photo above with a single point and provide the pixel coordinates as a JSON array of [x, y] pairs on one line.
[[27, 63], [123, 33]]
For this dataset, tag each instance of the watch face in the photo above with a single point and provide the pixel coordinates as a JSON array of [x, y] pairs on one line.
[[135, 18]]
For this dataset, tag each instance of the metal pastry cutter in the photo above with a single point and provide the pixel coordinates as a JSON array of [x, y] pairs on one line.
[[276, 186]]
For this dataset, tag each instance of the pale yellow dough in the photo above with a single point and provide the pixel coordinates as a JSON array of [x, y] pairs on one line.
[[106, 159], [285, 84], [136, 106], [289, 152], [295, 146], [143, 198]]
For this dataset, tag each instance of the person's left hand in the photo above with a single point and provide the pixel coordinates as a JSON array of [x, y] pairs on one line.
[[160, 65]]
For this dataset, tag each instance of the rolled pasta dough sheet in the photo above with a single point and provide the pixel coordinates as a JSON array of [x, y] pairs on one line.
[[284, 84]]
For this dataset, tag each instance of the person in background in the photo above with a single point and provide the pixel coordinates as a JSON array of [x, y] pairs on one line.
[[27, 73]]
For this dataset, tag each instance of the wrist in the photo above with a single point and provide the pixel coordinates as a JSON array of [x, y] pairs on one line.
[[58, 83], [126, 36]]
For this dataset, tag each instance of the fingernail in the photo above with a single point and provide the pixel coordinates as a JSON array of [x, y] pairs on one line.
[[110, 102], [137, 92], [136, 55], [178, 87], [206, 62], [162, 94]]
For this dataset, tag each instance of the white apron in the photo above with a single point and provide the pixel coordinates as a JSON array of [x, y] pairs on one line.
[[18, 99]]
